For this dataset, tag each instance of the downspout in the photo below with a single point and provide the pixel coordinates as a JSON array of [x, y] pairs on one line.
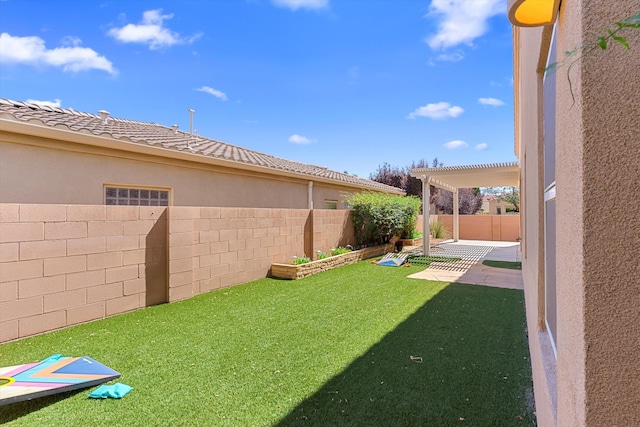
[[456, 216], [310, 195]]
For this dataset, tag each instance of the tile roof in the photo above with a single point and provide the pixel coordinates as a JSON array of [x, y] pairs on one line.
[[153, 134]]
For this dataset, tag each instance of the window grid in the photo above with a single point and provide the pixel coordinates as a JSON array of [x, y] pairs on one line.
[[124, 196]]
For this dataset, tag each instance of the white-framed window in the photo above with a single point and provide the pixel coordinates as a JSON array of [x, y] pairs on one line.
[[132, 196], [550, 237], [331, 204]]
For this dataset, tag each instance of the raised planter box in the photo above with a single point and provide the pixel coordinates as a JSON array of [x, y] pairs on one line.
[[290, 271]]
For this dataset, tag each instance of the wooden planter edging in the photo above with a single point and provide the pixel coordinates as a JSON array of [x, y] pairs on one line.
[[290, 271]]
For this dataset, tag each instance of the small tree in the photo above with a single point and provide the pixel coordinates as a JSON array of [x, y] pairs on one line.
[[378, 217], [469, 201], [513, 197]]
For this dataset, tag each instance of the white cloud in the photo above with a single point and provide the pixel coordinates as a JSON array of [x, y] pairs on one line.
[[57, 103], [494, 102], [461, 21], [32, 51], [440, 110], [482, 146], [452, 145], [151, 31], [212, 91], [450, 57], [301, 4], [299, 139]]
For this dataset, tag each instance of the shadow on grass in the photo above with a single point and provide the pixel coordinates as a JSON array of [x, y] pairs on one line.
[[462, 357], [13, 411]]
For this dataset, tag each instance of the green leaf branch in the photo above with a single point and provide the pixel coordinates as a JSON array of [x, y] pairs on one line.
[[602, 42]]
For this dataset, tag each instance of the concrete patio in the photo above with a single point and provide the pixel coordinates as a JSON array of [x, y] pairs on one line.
[[470, 268]]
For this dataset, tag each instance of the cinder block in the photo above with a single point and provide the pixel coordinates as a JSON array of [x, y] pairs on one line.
[[8, 330], [237, 245], [260, 253], [43, 213], [219, 247], [180, 265], [136, 256], [219, 270], [28, 326], [9, 252], [9, 212], [104, 292], [201, 224], [134, 286], [122, 243], [21, 270], [209, 213], [120, 274], [246, 212], [275, 251], [21, 231], [86, 213], [105, 228], [209, 236], [85, 313], [201, 273], [122, 305], [180, 279], [65, 230], [210, 284], [67, 264], [273, 231], [228, 235], [228, 257], [92, 245], [244, 234], [8, 291], [40, 286], [230, 280], [220, 224], [181, 225], [266, 242], [138, 227], [16, 309], [152, 212], [179, 252], [252, 243], [180, 292], [244, 255], [62, 300], [85, 279], [237, 223], [183, 239], [181, 212], [208, 260], [201, 249], [125, 213], [106, 260], [228, 213], [43, 249], [237, 267], [259, 232]]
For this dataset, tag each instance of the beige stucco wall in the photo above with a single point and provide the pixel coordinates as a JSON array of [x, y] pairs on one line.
[[504, 228], [597, 175], [598, 148], [45, 171]]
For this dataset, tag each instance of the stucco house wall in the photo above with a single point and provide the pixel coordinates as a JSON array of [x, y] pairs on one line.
[[592, 379]]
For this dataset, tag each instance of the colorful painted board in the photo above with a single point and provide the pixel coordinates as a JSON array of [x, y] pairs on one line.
[[55, 374]]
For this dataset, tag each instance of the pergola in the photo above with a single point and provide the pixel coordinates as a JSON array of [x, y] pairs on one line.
[[453, 178]]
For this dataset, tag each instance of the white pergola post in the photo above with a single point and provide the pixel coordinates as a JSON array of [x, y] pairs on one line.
[[456, 217], [426, 235], [310, 195]]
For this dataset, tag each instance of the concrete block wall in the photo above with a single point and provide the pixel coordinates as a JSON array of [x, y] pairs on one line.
[[66, 264], [485, 227], [211, 248], [331, 228]]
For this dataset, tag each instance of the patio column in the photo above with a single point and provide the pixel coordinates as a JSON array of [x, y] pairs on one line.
[[310, 195], [426, 235], [456, 217]]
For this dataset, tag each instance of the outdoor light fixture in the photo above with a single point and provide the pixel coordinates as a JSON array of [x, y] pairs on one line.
[[532, 13]]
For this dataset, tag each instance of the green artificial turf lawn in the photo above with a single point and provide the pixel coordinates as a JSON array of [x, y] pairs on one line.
[[356, 346], [511, 265]]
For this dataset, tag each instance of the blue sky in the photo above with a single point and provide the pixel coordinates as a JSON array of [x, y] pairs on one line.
[[347, 84]]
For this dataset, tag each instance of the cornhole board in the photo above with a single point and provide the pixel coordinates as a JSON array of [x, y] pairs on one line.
[[393, 260], [53, 375]]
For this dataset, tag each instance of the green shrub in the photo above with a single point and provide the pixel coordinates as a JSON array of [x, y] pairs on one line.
[[322, 255], [438, 230], [339, 250], [301, 260], [377, 217]]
